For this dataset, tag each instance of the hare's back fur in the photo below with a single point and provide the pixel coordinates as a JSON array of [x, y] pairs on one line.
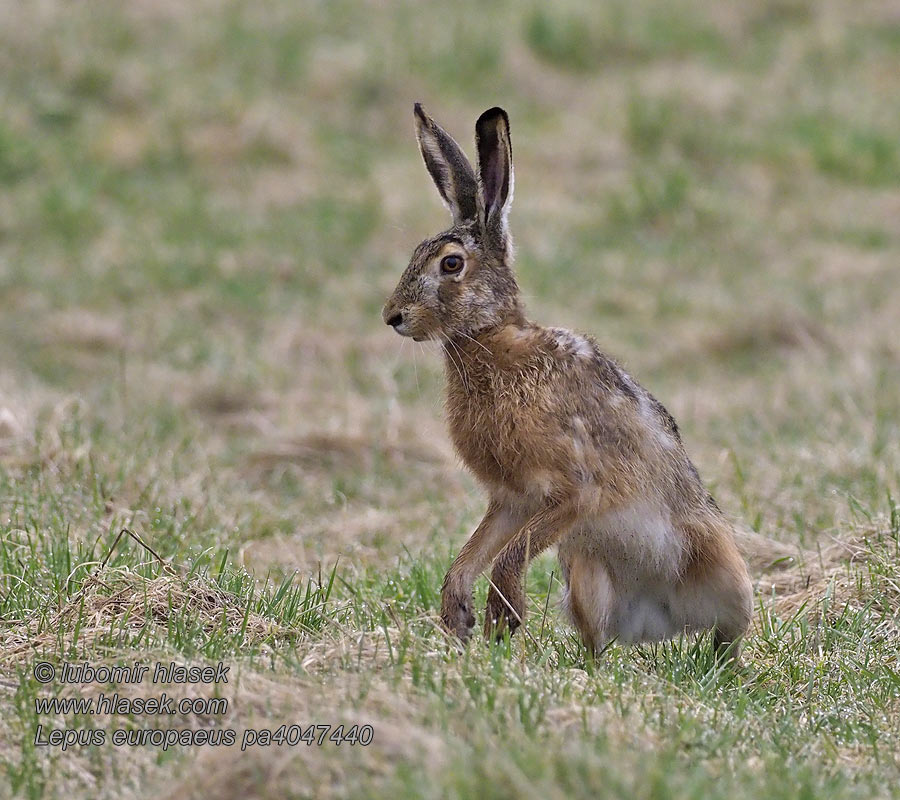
[[541, 412]]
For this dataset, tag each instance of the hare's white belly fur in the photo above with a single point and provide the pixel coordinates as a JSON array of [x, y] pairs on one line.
[[646, 554]]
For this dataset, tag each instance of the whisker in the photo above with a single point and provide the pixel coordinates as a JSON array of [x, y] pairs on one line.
[[416, 373], [462, 354], [456, 366], [428, 346], [398, 356], [476, 342]]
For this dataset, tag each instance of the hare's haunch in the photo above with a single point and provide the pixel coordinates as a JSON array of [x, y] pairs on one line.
[[571, 449]]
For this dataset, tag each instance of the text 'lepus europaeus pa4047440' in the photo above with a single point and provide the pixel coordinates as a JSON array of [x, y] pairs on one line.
[[571, 449]]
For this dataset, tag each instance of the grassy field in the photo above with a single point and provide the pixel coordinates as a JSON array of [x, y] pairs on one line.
[[202, 209]]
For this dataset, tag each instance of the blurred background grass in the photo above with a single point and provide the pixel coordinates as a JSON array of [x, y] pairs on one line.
[[203, 207], [203, 211]]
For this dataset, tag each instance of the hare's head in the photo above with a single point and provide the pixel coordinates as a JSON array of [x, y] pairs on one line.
[[460, 281]]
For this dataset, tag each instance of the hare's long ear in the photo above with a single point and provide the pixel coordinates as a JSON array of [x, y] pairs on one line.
[[495, 175], [448, 166]]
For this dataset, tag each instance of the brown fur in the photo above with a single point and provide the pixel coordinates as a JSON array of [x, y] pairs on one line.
[[571, 449]]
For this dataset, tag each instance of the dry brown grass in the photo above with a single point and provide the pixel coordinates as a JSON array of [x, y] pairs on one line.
[[833, 572]]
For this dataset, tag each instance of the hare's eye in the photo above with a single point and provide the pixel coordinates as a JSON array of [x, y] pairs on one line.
[[451, 264]]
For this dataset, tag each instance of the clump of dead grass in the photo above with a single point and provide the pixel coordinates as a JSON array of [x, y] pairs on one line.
[[123, 599], [836, 569]]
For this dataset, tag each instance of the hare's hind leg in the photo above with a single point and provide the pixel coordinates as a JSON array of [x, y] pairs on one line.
[[589, 598], [716, 593]]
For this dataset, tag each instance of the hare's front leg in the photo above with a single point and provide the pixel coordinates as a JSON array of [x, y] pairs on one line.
[[506, 598], [499, 525]]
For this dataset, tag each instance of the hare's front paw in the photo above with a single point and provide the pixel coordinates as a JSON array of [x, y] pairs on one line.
[[505, 607], [456, 615]]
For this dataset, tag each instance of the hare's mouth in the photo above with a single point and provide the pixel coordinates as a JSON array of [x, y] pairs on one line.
[[406, 333], [418, 333]]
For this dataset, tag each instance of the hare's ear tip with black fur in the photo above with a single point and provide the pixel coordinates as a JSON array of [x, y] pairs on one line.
[[419, 111], [496, 111], [491, 116]]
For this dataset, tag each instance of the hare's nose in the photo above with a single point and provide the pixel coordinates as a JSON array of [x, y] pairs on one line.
[[396, 320]]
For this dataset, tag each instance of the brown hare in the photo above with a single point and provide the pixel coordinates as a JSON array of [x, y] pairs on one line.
[[571, 449]]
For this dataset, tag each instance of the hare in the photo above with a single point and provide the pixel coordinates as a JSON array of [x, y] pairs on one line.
[[570, 448]]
